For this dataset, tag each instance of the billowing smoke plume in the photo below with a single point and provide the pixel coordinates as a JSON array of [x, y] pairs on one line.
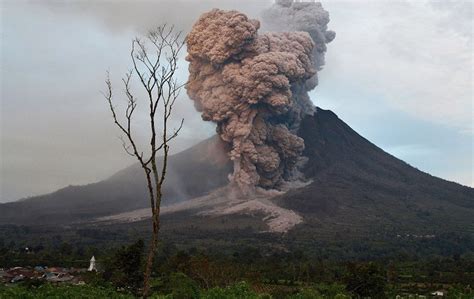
[[254, 87], [288, 15]]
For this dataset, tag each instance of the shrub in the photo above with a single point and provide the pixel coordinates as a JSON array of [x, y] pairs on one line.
[[183, 287], [48, 291], [306, 293], [124, 270], [366, 280], [240, 290]]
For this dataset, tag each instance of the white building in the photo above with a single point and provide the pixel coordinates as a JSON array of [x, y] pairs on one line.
[[92, 266], [438, 293]]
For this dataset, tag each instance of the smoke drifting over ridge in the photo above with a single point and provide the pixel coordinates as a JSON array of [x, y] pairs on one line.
[[254, 87]]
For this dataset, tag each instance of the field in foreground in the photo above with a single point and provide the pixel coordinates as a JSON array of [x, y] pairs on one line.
[[185, 290], [245, 274]]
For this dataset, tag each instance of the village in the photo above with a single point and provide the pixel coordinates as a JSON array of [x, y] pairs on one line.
[[45, 273]]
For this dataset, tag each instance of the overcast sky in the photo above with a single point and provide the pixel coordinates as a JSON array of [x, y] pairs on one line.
[[398, 72]]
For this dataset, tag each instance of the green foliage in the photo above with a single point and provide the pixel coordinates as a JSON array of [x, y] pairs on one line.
[[321, 290], [366, 280], [94, 279], [307, 293], [183, 287], [331, 290], [32, 283], [198, 272], [48, 291], [240, 290], [124, 269], [460, 292]]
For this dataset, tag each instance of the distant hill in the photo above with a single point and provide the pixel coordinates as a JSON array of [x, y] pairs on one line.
[[356, 189], [191, 173]]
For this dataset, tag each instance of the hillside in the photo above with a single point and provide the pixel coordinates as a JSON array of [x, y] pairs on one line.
[[355, 188], [358, 186], [191, 173]]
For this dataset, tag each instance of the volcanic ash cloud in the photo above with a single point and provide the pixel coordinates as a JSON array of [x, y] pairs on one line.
[[288, 15], [254, 87]]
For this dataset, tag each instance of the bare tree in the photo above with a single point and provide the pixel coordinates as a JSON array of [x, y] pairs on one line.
[[156, 69]]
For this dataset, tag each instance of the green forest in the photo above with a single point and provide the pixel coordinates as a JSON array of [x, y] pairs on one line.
[[248, 272]]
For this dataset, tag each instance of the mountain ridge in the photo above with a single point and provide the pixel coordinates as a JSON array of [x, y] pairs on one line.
[[125, 190], [350, 177]]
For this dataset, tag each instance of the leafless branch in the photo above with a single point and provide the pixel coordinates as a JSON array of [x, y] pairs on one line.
[[155, 62]]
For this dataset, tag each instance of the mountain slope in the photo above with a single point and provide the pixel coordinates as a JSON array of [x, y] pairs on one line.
[[356, 184], [191, 173], [356, 187], [356, 190]]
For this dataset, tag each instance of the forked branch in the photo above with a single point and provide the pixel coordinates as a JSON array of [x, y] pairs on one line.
[[155, 68]]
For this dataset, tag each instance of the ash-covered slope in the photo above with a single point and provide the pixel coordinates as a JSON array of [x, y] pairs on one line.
[[358, 185], [191, 173], [355, 186], [357, 189]]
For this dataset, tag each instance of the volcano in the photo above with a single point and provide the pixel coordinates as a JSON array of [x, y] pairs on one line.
[[352, 186]]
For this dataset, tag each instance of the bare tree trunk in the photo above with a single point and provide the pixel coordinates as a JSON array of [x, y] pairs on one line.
[[161, 87], [151, 254]]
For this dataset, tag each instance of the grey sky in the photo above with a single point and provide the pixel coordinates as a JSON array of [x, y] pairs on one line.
[[399, 72]]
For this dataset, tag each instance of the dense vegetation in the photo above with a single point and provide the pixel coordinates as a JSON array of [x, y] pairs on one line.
[[232, 235], [246, 273], [238, 291]]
